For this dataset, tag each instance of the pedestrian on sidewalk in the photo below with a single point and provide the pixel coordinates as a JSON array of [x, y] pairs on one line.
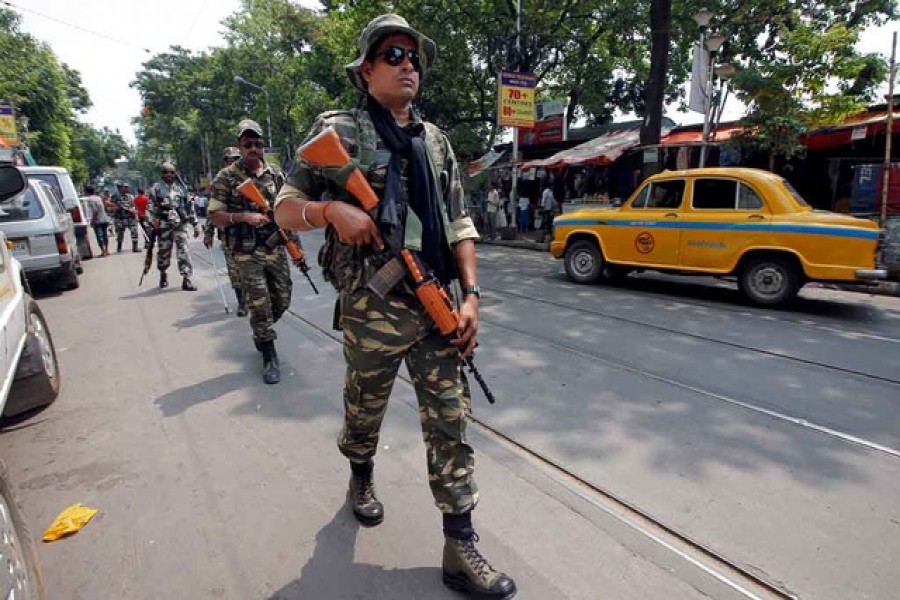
[[99, 219], [548, 209], [492, 208], [524, 205], [387, 134], [257, 247]]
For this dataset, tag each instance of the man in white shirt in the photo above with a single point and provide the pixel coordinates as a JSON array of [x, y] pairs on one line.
[[548, 209], [493, 206]]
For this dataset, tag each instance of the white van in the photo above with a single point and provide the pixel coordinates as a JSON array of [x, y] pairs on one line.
[[58, 178]]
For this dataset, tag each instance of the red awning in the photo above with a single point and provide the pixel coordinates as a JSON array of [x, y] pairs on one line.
[[602, 150], [852, 130], [681, 138]]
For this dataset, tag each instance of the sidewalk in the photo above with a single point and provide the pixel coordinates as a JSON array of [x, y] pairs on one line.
[[532, 240]]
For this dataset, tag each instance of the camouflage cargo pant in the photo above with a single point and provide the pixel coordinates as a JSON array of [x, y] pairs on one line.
[[378, 335], [266, 283], [234, 274], [121, 226], [164, 241]]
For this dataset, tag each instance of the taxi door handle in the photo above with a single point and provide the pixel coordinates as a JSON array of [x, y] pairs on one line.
[[756, 217], [672, 215]]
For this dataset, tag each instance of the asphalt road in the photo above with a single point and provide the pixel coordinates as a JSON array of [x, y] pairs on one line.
[[640, 432]]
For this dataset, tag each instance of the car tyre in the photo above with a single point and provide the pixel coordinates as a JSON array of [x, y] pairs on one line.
[[769, 281], [584, 262], [70, 279], [37, 379], [21, 577]]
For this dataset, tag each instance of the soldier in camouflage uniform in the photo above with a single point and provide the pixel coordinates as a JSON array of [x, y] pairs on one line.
[[125, 217], [170, 213], [253, 238], [411, 166], [231, 154]]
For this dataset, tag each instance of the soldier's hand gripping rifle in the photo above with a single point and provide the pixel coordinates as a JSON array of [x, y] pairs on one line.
[[326, 151], [249, 191]]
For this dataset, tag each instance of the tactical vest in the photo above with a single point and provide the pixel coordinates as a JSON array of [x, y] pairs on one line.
[[243, 237], [349, 267]]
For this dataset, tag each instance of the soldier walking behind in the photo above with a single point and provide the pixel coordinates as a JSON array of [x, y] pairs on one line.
[[125, 217], [231, 154], [171, 213], [254, 239], [411, 166]]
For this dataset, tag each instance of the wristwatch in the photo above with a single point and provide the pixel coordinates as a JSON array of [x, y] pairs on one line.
[[471, 290]]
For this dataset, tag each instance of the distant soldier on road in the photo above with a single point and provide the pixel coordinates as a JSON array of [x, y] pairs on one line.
[[255, 241], [170, 214], [231, 154], [125, 217]]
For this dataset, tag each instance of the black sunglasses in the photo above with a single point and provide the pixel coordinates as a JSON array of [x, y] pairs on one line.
[[393, 55], [253, 144], [168, 172]]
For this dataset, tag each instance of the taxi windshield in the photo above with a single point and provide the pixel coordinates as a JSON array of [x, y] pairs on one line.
[[794, 193]]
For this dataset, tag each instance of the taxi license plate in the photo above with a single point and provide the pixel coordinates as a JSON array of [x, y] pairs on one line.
[[20, 248]]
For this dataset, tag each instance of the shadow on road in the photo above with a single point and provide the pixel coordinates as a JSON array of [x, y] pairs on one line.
[[178, 401], [331, 573]]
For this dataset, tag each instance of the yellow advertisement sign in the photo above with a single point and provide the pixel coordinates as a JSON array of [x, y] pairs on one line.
[[515, 102], [8, 125]]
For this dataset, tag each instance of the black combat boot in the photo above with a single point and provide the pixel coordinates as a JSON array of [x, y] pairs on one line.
[[134, 246], [464, 568], [119, 246], [242, 308], [163, 279], [366, 507], [187, 285], [271, 372]]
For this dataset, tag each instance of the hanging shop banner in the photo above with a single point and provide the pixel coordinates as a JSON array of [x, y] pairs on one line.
[[8, 124], [515, 102], [478, 165]]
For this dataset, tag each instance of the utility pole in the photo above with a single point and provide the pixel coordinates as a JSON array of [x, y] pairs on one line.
[[889, 131], [514, 192]]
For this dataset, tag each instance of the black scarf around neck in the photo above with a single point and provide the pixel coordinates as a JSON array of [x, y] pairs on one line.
[[410, 143]]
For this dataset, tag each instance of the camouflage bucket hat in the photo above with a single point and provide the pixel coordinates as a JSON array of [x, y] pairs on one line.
[[231, 152], [249, 125], [376, 30]]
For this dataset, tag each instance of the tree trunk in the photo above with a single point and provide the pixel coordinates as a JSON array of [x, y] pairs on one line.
[[660, 24]]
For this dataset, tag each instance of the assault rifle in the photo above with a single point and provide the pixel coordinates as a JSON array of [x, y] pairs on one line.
[[249, 191], [326, 151]]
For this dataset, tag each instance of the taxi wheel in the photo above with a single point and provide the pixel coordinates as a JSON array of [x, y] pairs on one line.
[[769, 281], [37, 379], [584, 262]]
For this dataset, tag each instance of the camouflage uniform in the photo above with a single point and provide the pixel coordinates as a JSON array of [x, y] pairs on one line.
[[258, 253], [124, 218], [234, 274], [379, 333], [173, 210]]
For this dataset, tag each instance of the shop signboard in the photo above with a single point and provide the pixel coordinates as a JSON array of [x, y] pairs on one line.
[[8, 124], [515, 99], [549, 124]]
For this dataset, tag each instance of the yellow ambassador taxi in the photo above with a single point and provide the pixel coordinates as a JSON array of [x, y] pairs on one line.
[[720, 221]]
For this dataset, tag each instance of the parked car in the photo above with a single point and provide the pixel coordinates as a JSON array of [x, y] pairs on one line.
[[58, 178], [743, 222], [42, 234], [30, 378]]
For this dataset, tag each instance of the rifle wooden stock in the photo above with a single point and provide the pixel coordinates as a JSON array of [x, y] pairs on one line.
[[432, 296], [326, 150]]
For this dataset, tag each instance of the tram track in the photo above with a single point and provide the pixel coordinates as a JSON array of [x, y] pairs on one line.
[[699, 336]]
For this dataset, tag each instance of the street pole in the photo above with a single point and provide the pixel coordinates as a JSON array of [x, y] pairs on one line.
[[889, 131], [514, 193], [265, 92]]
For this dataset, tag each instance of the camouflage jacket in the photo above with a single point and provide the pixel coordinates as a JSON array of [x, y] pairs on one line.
[[125, 208], [171, 206], [349, 267], [225, 197]]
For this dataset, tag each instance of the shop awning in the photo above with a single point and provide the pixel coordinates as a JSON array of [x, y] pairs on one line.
[[480, 164], [695, 136], [602, 150], [852, 130]]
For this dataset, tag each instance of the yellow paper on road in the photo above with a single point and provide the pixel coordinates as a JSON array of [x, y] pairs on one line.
[[69, 521]]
